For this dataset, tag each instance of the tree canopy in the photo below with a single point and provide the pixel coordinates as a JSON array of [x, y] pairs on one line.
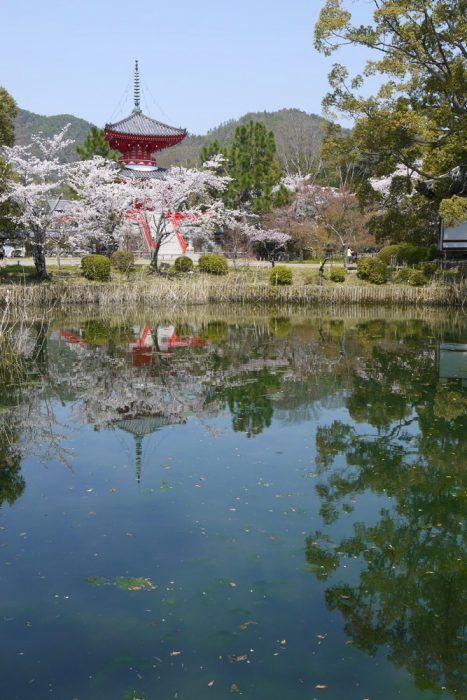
[[8, 111], [252, 164], [96, 145], [419, 113]]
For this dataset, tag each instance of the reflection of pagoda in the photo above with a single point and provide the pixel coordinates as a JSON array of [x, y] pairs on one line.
[[164, 342], [137, 137], [139, 427]]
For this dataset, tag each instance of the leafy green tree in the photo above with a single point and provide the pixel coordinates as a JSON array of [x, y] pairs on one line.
[[8, 112], [96, 145], [419, 113]]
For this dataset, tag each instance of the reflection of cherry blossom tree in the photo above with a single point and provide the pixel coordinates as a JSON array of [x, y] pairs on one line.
[[37, 180]]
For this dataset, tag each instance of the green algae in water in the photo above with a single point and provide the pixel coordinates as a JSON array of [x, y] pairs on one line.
[[125, 583], [133, 695], [98, 581]]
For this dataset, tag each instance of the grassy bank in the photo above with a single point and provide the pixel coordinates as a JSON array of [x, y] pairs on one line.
[[172, 293]]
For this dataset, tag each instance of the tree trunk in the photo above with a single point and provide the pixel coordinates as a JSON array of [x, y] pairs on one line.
[[154, 265], [39, 261]]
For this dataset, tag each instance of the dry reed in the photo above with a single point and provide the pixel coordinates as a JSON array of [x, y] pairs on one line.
[[187, 292]]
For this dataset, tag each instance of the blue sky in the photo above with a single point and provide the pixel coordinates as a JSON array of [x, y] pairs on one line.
[[202, 62]]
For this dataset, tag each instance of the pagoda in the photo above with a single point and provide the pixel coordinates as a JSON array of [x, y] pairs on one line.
[[138, 137]]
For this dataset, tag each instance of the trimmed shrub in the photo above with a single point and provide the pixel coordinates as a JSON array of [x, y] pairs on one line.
[[379, 273], [183, 264], [386, 254], [122, 260], [417, 278], [96, 267], [363, 267], [213, 264], [428, 269], [280, 275], [406, 253], [337, 274], [372, 269], [403, 275]]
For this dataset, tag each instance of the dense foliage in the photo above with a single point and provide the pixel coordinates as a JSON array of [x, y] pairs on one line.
[[337, 274], [28, 124], [96, 267], [213, 264], [406, 253], [373, 270], [96, 145], [183, 264], [281, 276], [122, 260], [8, 112], [419, 113], [251, 163]]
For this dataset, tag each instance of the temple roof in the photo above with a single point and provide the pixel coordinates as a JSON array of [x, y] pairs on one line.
[[138, 124]]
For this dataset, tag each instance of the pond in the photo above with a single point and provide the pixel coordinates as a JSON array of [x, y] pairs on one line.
[[202, 505]]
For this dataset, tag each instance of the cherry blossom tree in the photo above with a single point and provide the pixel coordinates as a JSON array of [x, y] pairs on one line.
[[36, 189], [335, 212], [104, 201], [188, 196], [270, 242]]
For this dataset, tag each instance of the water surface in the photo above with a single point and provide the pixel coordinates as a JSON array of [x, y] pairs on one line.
[[270, 506]]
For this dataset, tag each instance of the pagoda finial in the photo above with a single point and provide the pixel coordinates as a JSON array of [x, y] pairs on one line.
[[137, 91]]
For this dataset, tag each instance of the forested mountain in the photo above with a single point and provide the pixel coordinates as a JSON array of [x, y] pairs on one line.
[[28, 123], [298, 135]]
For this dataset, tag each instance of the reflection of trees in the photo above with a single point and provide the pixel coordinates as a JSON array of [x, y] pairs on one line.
[[249, 399], [12, 483], [412, 591]]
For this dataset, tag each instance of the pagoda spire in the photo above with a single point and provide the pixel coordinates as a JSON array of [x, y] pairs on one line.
[[137, 90]]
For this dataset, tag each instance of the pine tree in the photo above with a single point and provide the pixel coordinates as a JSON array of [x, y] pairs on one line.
[[252, 164], [253, 167], [96, 145]]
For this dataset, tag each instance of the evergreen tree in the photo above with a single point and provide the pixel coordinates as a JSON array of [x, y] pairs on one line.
[[253, 167], [96, 145], [252, 164], [7, 114], [8, 111]]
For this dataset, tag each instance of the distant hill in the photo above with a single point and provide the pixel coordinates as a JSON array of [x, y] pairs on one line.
[[298, 135], [28, 123]]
